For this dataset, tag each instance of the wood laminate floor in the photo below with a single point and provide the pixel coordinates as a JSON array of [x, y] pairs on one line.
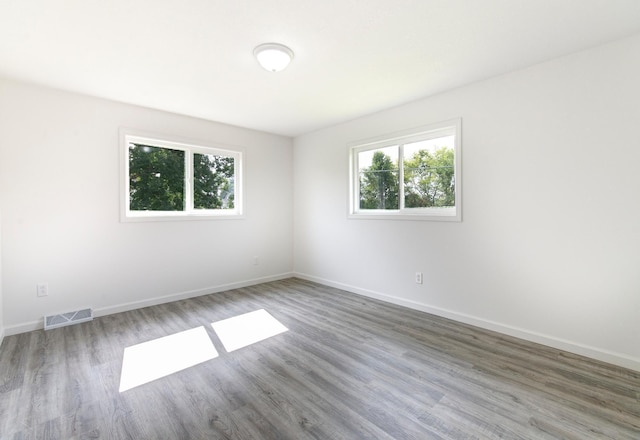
[[347, 368]]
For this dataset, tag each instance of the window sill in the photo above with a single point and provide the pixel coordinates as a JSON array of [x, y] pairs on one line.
[[178, 217], [444, 215]]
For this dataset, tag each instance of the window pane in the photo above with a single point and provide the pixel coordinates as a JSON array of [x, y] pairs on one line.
[[156, 178], [379, 178], [213, 181], [429, 179]]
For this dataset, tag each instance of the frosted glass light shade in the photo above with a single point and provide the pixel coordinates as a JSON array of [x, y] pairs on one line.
[[273, 57]]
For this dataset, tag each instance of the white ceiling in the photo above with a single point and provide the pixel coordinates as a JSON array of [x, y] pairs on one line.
[[352, 57]]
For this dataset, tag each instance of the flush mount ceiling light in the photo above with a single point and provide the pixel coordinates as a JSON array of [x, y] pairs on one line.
[[273, 56]]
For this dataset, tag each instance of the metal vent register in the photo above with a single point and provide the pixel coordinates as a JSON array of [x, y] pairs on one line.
[[54, 321]]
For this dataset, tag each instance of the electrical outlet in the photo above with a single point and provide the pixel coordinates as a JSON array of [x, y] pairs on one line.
[[42, 289], [256, 261], [418, 277]]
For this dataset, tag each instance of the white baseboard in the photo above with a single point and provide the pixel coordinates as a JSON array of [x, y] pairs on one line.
[[103, 311], [539, 338], [185, 295], [1, 336]]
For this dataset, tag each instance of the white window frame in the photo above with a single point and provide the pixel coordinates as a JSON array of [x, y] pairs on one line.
[[432, 131], [190, 147]]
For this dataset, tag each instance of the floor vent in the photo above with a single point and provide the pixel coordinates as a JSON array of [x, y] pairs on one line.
[[54, 321]]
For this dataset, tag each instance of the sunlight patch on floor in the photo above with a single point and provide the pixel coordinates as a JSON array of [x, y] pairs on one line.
[[243, 330], [148, 361]]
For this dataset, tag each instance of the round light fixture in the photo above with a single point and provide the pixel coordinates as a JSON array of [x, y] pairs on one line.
[[273, 57]]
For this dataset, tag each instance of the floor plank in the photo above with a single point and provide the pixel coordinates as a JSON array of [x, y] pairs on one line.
[[349, 367]]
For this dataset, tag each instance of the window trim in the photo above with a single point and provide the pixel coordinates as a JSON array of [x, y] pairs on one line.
[[190, 147], [431, 131]]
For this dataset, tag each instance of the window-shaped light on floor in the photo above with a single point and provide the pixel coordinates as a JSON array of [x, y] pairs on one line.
[[249, 328], [148, 361]]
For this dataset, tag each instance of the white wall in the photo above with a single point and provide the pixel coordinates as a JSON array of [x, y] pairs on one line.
[[59, 177], [549, 245]]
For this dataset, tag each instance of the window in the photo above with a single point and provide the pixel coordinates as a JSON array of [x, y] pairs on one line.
[[414, 174], [164, 179]]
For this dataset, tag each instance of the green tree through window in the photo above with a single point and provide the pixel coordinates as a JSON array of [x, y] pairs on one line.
[[429, 179], [379, 183], [156, 178], [213, 181]]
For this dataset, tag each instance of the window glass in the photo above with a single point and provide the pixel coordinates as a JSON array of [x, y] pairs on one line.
[[156, 178], [213, 181], [429, 173], [378, 171]]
